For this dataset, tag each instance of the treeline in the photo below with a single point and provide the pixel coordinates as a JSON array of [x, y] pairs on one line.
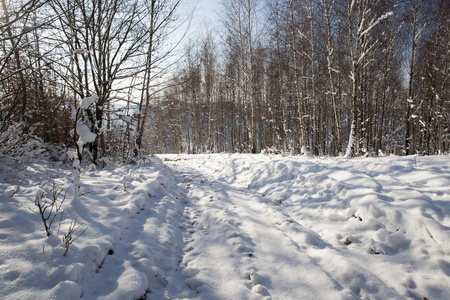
[[326, 77], [319, 76]]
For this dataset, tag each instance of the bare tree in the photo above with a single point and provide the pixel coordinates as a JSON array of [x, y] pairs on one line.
[[361, 20], [297, 76], [100, 43], [280, 71], [430, 79], [161, 14], [16, 24], [331, 73], [208, 61]]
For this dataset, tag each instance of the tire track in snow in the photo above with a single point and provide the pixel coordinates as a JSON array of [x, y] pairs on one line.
[[238, 247], [332, 270], [213, 242]]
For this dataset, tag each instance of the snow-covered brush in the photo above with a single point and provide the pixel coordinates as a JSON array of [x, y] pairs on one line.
[[85, 136], [69, 237], [49, 208], [127, 178], [16, 143], [11, 140]]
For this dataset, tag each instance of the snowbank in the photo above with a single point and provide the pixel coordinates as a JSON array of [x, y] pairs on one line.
[[128, 217]]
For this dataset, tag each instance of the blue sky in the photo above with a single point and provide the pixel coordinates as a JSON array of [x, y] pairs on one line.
[[207, 10]]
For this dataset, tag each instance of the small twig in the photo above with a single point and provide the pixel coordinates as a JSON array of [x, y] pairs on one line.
[[17, 189], [49, 210], [68, 238], [85, 193]]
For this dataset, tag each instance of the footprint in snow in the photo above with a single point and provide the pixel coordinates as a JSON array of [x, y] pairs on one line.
[[243, 250], [260, 289], [241, 244], [256, 282], [194, 284], [188, 249], [11, 275]]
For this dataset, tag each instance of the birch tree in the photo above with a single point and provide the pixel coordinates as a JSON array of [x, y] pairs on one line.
[[157, 29], [294, 26], [361, 20]]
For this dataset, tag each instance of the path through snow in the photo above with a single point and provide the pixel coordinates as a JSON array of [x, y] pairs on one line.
[[224, 226], [296, 228]]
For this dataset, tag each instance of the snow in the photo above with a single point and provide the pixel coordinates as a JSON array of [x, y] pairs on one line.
[[86, 136], [375, 23], [86, 102], [231, 226], [39, 195]]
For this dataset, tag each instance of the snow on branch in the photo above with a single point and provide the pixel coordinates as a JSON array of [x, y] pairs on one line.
[[85, 135], [375, 23], [86, 102]]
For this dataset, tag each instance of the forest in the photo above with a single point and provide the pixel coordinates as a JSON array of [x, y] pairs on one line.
[[116, 79]]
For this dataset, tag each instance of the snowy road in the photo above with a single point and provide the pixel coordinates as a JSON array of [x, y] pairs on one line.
[[237, 243], [287, 229], [238, 226]]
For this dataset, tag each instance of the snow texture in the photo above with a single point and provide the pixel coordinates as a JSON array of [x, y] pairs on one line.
[[85, 135], [86, 102], [222, 226]]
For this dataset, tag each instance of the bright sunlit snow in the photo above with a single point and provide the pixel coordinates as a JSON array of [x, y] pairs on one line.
[[224, 226]]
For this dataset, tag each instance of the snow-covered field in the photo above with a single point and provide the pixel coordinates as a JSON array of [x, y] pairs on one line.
[[222, 226]]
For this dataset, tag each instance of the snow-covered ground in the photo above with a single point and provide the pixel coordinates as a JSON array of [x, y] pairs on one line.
[[222, 226]]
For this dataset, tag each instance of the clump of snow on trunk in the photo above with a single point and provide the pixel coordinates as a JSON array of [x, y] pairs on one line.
[[85, 136]]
